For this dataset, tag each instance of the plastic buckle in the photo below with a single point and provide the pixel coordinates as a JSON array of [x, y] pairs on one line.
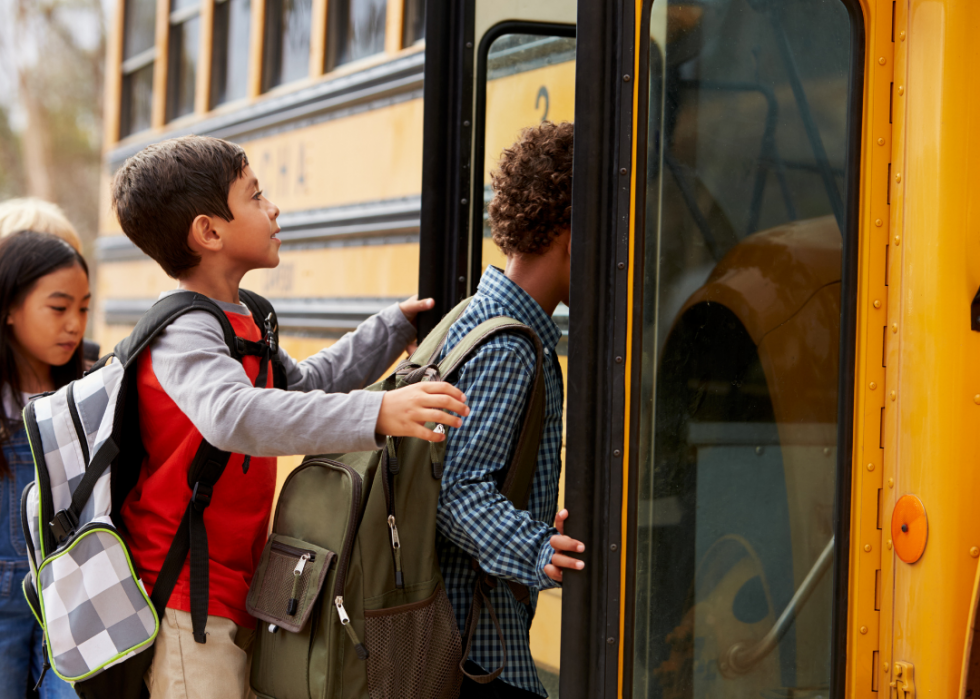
[[201, 495], [63, 525], [240, 345]]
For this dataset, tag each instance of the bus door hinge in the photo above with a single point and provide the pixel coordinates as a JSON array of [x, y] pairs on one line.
[[903, 682]]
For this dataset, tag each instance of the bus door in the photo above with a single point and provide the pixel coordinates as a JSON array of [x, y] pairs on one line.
[[492, 68], [711, 389]]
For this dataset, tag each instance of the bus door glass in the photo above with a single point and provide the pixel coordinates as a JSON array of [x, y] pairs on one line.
[[741, 305], [526, 75]]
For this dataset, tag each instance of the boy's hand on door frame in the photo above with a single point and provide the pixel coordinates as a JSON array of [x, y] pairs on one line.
[[410, 308], [561, 543]]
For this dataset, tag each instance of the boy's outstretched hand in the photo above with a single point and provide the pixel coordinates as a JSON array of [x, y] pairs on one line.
[[561, 543], [410, 308], [404, 411]]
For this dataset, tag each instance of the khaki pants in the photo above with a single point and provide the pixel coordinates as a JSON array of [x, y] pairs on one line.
[[184, 669]]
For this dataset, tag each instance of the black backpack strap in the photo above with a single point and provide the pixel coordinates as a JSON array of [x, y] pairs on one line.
[[265, 317], [166, 311], [192, 538], [209, 462]]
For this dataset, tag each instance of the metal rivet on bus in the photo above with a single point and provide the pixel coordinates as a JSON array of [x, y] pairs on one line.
[[893, 395], [901, 89], [622, 171], [881, 141], [619, 360], [611, 641], [759, 450], [871, 467], [877, 303], [901, 36], [898, 177], [462, 279], [891, 484], [889, 542], [626, 78], [616, 452], [882, 61], [622, 265], [974, 551], [469, 44], [826, 451], [872, 385], [466, 123], [867, 547], [894, 327], [864, 629], [976, 399], [464, 202], [879, 222], [613, 547], [884, 666]]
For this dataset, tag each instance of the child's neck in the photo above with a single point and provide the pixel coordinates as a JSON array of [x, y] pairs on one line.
[[220, 285], [34, 375]]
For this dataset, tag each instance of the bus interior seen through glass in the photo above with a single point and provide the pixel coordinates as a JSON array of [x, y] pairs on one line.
[[229, 58], [741, 271], [413, 22], [182, 55], [139, 30], [355, 30], [286, 56]]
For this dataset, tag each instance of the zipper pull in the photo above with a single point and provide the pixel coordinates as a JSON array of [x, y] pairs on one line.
[[437, 452], [246, 463], [273, 628], [293, 603], [45, 666], [362, 652], [396, 546]]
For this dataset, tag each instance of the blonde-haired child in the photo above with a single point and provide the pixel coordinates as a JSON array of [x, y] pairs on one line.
[[33, 214]]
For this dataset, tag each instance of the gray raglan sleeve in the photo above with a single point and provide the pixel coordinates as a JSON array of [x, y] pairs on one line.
[[193, 365], [356, 359]]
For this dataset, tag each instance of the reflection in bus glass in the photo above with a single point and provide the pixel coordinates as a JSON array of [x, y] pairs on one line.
[[356, 30], [182, 72], [287, 41], [740, 324], [229, 61]]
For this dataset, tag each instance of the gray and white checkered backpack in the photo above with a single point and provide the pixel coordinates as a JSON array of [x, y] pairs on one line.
[[83, 589]]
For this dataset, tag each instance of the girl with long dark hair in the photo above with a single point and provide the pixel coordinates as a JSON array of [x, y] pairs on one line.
[[44, 297]]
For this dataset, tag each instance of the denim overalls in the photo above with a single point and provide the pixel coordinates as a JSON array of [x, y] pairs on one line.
[[20, 634]]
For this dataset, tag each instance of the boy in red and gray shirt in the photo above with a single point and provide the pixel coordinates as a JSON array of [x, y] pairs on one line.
[[194, 205]]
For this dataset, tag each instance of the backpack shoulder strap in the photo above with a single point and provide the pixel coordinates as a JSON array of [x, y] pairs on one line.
[[166, 311], [516, 485], [265, 317], [429, 349], [520, 471]]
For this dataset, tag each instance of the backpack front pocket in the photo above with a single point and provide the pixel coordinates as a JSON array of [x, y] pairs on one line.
[[413, 650], [288, 582], [95, 613]]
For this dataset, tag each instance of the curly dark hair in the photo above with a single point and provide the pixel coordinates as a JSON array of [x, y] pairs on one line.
[[533, 185]]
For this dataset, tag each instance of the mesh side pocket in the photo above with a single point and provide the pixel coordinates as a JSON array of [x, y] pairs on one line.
[[414, 650]]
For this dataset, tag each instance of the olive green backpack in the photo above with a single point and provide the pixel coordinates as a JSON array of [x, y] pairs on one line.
[[348, 592]]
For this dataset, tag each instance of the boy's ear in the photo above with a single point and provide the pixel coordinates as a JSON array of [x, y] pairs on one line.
[[203, 236]]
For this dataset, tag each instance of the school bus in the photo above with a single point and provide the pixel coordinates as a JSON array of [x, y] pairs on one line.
[[773, 402]]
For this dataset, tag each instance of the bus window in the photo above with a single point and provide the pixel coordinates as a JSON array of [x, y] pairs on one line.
[[286, 54], [741, 270], [229, 59], [356, 29], [137, 67], [413, 22], [182, 54]]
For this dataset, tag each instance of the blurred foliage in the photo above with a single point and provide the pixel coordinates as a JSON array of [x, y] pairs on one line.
[[52, 54]]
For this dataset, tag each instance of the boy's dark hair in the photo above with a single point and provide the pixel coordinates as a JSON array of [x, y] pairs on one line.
[[533, 185], [158, 192]]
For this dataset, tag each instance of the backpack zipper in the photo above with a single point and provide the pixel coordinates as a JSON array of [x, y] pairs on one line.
[[388, 483], [77, 421], [293, 551]]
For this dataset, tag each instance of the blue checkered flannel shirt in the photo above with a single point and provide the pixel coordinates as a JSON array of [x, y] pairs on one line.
[[474, 518]]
